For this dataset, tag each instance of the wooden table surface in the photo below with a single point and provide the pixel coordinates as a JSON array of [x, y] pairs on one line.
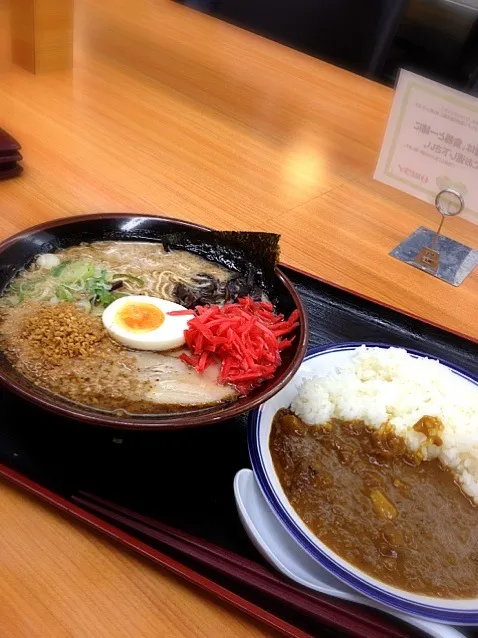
[[170, 111]]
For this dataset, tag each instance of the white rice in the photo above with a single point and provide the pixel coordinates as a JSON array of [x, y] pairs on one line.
[[389, 386]]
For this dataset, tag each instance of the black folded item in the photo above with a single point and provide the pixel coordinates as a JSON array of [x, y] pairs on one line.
[[11, 169], [9, 156], [8, 143]]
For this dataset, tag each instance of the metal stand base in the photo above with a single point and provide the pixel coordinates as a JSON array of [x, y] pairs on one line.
[[456, 261]]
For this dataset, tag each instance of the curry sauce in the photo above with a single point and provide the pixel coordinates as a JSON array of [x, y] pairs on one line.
[[402, 521]]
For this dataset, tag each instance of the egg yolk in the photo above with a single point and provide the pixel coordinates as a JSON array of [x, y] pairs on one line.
[[140, 317]]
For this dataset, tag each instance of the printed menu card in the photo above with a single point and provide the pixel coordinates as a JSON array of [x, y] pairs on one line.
[[431, 142]]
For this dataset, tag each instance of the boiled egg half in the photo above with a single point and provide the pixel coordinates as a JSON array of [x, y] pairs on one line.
[[143, 323]]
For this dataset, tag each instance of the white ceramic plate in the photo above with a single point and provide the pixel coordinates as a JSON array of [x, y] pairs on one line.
[[319, 361]]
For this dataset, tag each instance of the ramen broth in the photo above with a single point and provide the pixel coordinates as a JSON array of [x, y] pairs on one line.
[[150, 269], [160, 271], [47, 316]]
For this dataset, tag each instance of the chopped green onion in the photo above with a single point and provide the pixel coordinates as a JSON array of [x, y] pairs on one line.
[[76, 281], [57, 270], [77, 271], [63, 293]]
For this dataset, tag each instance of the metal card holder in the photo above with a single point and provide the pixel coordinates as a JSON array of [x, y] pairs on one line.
[[435, 254]]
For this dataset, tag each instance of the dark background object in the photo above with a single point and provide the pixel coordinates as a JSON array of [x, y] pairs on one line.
[[349, 33], [184, 478], [438, 39], [467, 66], [435, 38]]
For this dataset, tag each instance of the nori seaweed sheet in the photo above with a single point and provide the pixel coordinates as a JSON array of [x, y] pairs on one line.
[[252, 254]]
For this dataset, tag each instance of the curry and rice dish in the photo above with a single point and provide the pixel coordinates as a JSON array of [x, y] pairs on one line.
[[391, 492], [140, 328]]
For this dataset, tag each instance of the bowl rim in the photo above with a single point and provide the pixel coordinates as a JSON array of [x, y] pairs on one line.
[[348, 573], [174, 421]]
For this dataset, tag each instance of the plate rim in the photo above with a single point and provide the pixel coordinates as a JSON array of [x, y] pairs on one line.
[[363, 585]]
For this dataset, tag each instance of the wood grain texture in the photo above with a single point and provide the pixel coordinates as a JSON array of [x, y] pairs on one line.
[[42, 34], [61, 580], [167, 110], [347, 234]]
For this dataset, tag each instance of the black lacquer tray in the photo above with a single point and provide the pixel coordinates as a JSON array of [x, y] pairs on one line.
[[184, 478]]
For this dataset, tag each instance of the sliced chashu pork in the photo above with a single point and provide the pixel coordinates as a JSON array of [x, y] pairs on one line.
[[173, 382]]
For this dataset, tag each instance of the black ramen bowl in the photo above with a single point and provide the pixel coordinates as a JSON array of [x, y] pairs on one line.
[[18, 252]]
